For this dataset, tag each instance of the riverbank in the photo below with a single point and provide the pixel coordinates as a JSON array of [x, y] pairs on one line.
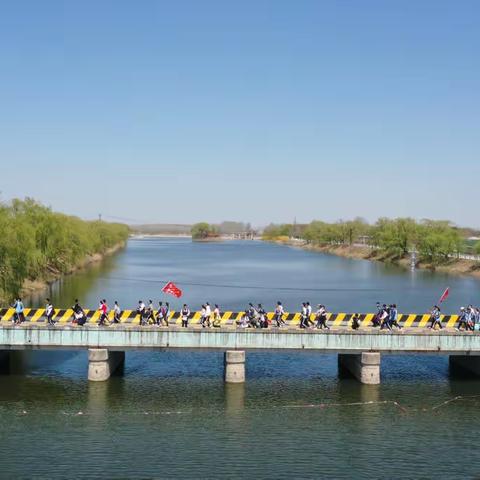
[[37, 286], [366, 252]]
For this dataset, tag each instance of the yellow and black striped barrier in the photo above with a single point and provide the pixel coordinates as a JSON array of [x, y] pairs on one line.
[[64, 316]]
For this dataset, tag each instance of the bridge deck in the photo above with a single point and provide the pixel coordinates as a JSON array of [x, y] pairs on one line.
[[339, 339]]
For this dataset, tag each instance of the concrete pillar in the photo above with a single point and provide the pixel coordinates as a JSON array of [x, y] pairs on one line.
[[364, 366], [468, 363], [102, 363], [234, 366], [4, 361]]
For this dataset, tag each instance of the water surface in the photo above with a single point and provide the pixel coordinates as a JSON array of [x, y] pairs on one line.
[[171, 416]]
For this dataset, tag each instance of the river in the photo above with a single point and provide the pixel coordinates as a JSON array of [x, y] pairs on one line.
[[171, 416]]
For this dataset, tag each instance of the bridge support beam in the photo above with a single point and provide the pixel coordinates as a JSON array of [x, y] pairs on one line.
[[102, 363], [470, 363], [234, 366], [4, 361], [365, 367]]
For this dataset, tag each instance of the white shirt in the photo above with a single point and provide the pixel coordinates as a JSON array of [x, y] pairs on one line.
[[208, 311]]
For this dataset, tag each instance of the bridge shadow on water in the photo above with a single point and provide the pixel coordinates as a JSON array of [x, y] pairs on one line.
[[192, 380]]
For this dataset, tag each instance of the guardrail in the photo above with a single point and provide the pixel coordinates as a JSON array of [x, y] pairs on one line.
[[228, 318]]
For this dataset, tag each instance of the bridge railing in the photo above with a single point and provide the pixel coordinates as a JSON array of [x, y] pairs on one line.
[[228, 318]]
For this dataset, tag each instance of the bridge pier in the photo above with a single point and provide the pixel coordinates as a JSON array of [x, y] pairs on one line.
[[4, 361], [234, 366], [470, 363], [102, 363], [365, 366]]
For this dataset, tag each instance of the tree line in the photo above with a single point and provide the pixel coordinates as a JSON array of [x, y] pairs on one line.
[[36, 242], [435, 242]]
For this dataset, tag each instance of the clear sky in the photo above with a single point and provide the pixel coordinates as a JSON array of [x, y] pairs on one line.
[[259, 111]]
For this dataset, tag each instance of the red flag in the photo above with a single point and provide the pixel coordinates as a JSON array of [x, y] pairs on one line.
[[444, 295], [172, 289]]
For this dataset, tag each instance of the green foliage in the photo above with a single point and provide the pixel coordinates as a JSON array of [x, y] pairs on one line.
[[476, 248], [438, 241], [36, 240], [435, 241], [338, 233], [396, 237], [274, 231], [203, 230]]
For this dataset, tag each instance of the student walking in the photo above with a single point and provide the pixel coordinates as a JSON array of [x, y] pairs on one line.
[[393, 317], [185, 314], [278, 315], [356, 321], [19, 316], [79, 316], [103, 308], [150, 313], [217, 317], [141, 311], [203, 316], [208, 315], [435, 318], [49, 312], [321, 317], [166, 313], [303, 316], [117, 312]]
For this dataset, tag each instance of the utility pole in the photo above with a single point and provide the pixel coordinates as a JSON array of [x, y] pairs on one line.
[[99, 217]]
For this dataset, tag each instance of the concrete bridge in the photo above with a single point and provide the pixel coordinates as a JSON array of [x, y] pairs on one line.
[[359, 352]]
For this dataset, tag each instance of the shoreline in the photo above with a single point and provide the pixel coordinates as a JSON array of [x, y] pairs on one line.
[[357, 252], [35, 287]]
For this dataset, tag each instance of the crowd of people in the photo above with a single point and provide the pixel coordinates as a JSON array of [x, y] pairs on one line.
[[385, 318]]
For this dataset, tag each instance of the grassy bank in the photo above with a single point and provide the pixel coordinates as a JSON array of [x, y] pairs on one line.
[[38, 245], [452, 266]]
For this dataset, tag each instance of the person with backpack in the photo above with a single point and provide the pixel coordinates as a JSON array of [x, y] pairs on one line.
[[19, 315], [185, 314], [49, 312]]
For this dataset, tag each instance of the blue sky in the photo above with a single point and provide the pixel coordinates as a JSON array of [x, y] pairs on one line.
[[255, 110]]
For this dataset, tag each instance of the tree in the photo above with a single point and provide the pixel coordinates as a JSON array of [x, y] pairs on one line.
[[476, 248], [202, 230]]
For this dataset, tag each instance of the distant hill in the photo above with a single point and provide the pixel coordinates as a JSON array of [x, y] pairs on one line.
[[162, 228]]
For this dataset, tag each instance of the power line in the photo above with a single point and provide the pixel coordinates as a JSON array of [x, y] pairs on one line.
[[249, 287]]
